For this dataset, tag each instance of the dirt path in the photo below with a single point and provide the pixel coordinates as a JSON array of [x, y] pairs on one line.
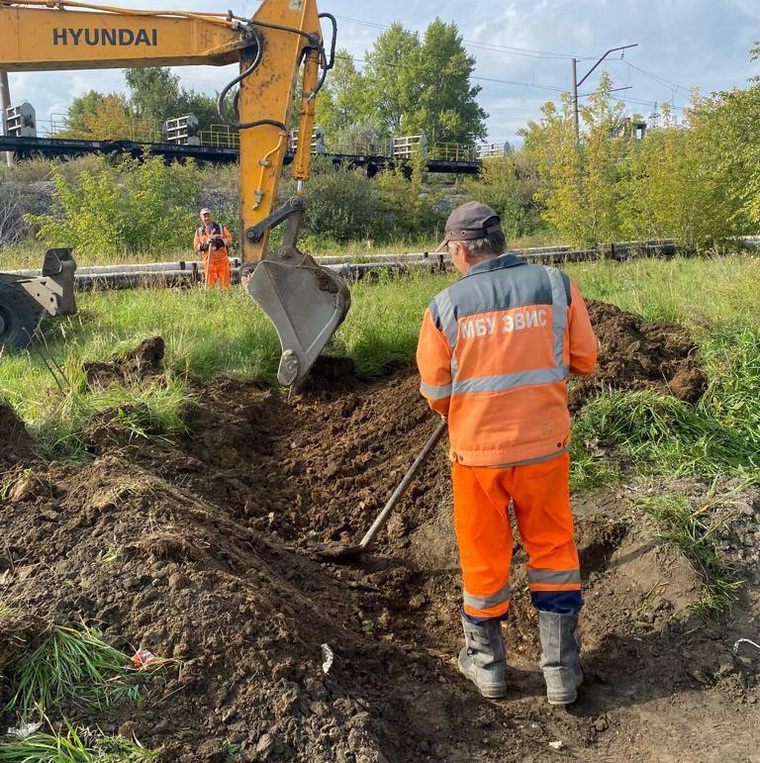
[[200, 551]]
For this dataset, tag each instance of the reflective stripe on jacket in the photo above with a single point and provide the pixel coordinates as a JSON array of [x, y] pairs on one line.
[[202, 235], [494, 354]]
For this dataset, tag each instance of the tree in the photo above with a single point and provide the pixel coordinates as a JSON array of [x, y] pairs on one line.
[[393, 78], [156, 95], [106, 117], [82, 107], [447, 110], [342, 102], [580, 190], [508, 185]]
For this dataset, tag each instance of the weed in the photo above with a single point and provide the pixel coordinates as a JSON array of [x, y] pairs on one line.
[[686, 528], [588, 471], [231, 751], [69, 664], [111, 554], [73, 746]]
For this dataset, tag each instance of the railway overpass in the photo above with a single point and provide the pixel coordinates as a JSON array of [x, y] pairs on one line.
[[442, 158]]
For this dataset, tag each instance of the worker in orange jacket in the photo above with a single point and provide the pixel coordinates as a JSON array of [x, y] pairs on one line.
[[494, 354], [212, 241]]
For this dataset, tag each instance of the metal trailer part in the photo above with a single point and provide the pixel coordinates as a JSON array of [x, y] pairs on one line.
[[24, 301]]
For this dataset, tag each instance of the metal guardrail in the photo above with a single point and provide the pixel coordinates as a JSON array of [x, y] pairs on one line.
[[183, 130]]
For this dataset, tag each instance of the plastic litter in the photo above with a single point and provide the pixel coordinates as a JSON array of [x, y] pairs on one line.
[[142, 658], [745, 641], [328, 657], [24, 731]]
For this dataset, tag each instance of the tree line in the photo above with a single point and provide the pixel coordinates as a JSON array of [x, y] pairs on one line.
[[410, 85], [693, 177]]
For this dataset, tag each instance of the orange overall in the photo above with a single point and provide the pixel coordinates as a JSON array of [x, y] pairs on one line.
[[216, 263], [494, 354]]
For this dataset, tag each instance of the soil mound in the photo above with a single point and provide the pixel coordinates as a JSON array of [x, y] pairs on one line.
[[15, 442], [143, 364], [199, 550], [636, 354]]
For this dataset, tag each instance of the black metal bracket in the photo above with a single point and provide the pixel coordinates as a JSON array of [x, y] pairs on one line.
[[292, 206]]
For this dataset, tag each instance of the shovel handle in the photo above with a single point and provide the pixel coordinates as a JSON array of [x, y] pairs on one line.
[[382, 518]]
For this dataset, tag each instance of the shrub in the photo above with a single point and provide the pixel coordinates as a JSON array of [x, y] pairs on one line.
[[508, 186], [130, 206], [341, 204]]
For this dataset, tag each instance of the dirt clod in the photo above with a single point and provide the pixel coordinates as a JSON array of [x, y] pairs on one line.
[[144, 364], [15, 442], [636, 354]]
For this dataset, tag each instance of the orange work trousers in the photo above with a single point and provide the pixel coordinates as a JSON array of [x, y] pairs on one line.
[[217, 271], [541, 499]]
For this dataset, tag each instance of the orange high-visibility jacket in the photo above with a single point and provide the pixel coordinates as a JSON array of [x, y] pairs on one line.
[[494, 354], [202, 235]]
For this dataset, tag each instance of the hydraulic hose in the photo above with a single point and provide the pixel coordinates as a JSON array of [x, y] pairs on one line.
[[223, 95], [327, 65]]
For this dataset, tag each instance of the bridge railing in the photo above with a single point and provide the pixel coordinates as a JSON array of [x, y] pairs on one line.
[[220, 136], [405, 147], [452, 152], [492, 150]]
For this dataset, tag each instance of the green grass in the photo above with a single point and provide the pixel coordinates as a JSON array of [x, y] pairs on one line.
[[70, 665], [686, 527], [70, 746], [212, 333], [207, 334]]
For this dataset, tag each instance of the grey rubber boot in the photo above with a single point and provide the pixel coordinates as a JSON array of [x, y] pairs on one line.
[[482, 659], [560, 662]]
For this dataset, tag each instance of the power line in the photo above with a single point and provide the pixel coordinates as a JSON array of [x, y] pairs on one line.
[[494, 80], [510, 49], [656, 77]]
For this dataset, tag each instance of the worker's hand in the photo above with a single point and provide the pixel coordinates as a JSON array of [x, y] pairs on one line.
[[203, 247]]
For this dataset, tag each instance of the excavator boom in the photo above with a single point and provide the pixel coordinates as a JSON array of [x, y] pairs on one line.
[[305, 302]]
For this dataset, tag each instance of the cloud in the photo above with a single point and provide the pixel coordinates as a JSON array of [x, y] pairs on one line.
[[686, 42]]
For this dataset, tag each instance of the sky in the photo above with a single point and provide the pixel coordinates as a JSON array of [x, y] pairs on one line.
[[523, 50]]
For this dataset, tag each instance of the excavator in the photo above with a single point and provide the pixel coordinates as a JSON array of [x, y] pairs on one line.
[[284, 39]]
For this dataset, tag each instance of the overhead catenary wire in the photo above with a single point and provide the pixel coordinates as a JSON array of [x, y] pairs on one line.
[[516, 83], [514, 50]]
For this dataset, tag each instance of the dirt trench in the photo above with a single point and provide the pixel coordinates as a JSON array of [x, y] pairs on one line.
[[200, 551]]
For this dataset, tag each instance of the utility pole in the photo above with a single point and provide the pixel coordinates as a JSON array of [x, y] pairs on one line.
[[5, 103], [577, 84], [575, 105]]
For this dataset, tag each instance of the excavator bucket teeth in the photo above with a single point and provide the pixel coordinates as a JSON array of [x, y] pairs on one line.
[[306, 303]]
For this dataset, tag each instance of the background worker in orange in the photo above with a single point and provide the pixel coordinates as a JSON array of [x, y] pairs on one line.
[[212, 240], [494, 354]]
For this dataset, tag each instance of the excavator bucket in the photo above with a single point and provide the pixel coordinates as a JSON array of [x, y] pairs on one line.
[[306, 303]]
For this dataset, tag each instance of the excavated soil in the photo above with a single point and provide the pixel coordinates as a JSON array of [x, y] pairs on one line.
[[203, 551], [635, 354], [15, 442]]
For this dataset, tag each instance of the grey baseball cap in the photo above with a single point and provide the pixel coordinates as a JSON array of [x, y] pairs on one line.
[[469, 222]]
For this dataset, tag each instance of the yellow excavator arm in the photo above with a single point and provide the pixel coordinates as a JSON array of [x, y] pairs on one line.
[[305, 302]]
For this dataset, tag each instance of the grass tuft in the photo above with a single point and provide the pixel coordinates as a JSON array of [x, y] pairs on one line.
[[73, 746], [69, 665], [685, 527]]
